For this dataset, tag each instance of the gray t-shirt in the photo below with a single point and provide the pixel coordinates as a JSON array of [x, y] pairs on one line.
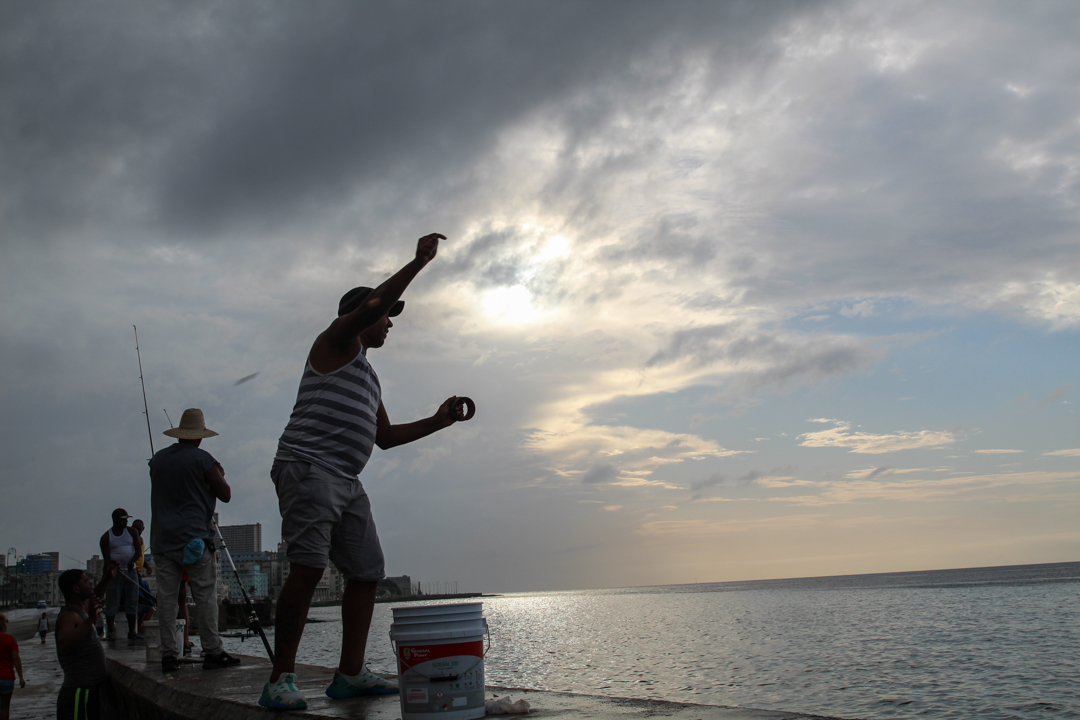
[[181, 502]]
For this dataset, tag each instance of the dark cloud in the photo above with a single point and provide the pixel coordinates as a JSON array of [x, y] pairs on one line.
[[199, 115], [1058, 394], [783, 357], [600, 473], [698, 487], [749, 478]]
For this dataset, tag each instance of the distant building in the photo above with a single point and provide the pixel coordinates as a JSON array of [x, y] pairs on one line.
[[7, 585], [272, 565], [278, 570], [36, 587], [94, 567], [253, 579], [40, 563], [400, 586], [242, 538], [331, 586]]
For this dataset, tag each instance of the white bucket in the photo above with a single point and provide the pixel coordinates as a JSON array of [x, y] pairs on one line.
[[440, 658], [153, 641]]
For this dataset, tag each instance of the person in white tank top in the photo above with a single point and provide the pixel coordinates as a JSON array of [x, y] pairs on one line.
[[122, 544]]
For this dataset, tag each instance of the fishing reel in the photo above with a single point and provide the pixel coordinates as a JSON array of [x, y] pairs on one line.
[[463, 409]]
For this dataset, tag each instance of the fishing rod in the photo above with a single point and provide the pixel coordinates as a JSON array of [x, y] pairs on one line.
[[143, 591], [252, 618], [253, 623], [146, 410]]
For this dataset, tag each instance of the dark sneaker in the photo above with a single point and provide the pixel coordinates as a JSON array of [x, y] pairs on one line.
[[187, 650], [169, 664], [132, 636], [221, 660]]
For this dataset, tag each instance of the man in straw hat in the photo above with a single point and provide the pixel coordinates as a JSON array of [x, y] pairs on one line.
[[325, 513], [185, 484]]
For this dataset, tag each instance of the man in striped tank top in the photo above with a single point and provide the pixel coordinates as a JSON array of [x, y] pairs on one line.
[[325, 513]]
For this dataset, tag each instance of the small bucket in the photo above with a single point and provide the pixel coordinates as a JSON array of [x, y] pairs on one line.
[[151, 632], [440, 658]]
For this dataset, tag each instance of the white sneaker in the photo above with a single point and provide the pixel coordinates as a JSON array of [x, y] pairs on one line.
[[283, 695]]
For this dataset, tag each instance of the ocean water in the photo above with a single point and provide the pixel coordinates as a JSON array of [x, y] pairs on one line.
[[987, 643]]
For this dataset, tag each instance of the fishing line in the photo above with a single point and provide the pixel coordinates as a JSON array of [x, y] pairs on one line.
[[144, 591]]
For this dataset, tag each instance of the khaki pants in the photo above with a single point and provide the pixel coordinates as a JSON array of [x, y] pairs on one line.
[[203, 573]]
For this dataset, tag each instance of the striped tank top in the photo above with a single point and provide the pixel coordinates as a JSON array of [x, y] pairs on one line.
[[334, 420]]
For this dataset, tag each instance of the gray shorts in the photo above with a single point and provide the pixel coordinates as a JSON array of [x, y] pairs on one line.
[[122, 595], [324, 515]]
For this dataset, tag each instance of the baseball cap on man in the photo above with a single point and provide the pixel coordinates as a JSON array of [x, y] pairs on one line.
[[352, 299], [119, 513]]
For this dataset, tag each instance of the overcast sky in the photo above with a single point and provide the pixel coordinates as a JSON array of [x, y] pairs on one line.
[[741, 290]]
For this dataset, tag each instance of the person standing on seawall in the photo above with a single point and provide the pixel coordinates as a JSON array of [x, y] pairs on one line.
[[43, 627], [325, 513], [185, 484], [121, 543], [10, 661]]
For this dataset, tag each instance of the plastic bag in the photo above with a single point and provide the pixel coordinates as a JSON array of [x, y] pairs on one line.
[[503, 706]]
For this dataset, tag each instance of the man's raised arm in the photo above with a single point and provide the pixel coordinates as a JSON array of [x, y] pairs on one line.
[[344, 330]]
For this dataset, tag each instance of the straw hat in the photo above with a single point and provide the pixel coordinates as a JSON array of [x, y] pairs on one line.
[[192, 426]]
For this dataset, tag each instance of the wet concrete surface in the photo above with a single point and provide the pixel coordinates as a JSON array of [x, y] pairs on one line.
[[196, 694], [193, 692], [43, 679], [22, 623]]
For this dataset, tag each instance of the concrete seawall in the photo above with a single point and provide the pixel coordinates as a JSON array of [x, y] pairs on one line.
[[145, 693], [195, 694]]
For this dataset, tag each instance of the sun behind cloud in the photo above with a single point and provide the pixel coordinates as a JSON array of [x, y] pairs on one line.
[[509, 305]]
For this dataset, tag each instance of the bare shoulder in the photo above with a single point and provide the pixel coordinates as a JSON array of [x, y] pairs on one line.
[[328, 353]]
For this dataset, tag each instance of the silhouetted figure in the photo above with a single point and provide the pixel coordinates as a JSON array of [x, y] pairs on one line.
[[185, 484], [325, 513], [122, 544], [86, 688]]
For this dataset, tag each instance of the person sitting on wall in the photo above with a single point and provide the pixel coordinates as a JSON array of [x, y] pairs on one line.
[[86, 685]]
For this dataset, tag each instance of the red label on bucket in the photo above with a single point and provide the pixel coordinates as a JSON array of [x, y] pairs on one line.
[[413, 655]]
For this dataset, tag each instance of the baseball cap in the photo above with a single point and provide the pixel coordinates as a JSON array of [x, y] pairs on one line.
[[352, 299]]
